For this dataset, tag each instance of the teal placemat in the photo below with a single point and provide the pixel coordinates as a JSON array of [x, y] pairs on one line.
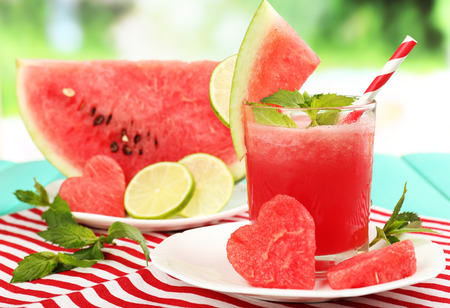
[[389, 175], [20, 176], [435, 167]]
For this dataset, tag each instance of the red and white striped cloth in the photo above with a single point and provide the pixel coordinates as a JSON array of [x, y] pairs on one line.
[[123, 280]]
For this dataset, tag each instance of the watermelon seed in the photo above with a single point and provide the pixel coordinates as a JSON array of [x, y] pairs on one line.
[[98, 120], [124, 135], [137, 138], [114, 147], [68, 92], [92, 111], [108, 119], [127, 150], [140, 151], [156, 142]]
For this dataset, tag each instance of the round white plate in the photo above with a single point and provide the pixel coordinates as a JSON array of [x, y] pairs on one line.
[[237, 205], [198, 257]]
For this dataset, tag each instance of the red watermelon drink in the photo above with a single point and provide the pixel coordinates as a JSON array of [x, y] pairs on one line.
[[328, 168]]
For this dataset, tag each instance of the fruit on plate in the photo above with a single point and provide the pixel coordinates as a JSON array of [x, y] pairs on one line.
[[272, 56], [214, 185], [137, 113], [159, 191], [386, 264], [278, 250], [99, 190]]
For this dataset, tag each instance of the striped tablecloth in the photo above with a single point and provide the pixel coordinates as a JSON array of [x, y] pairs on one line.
[[123, 279]]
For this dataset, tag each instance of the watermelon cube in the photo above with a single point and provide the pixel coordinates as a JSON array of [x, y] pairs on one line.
[[386, 264], [278, 250]]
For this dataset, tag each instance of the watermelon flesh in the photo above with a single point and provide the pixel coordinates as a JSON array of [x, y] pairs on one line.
[[272, 56], [386, 264], [137, 113], [99, 191], [278, 250]]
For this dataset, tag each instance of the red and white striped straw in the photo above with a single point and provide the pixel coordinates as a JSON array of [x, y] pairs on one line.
[[388, 70]]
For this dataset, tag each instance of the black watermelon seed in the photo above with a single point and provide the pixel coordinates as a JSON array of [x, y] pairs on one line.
[[99, 120], [127, 150], [93, 111], [137, 138], [114, 147], [108, 119], [156, 142], [140, 151], [148, 134]]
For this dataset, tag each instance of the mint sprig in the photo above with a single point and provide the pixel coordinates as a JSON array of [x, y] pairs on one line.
[[294, 99], [64, 231], [399, 223]]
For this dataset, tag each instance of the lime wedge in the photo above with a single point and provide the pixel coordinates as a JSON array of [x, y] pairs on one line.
[[220, 88], [214, 185], [158, 191]]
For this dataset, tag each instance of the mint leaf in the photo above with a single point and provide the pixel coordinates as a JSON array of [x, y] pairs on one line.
[[294, 99], [269, 116], [71, 260], [64, 231], [35, 266], [285, 98], [38, 198], [69, 236], [331, 100], [329, 117], [58, 213], [123, 230], [93, 252], [399, 223]]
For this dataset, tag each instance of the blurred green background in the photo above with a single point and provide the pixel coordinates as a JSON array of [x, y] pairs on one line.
[[344, 33]]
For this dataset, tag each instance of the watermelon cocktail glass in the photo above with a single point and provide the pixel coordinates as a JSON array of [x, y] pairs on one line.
[[327, 168]]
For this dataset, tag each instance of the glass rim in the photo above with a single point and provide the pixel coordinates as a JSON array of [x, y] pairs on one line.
[[366, 106]]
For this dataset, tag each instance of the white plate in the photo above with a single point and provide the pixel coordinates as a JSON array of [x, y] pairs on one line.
[[198, 257], [237, 205]]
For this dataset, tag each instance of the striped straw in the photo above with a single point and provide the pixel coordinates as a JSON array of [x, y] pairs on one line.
[[388, 70]]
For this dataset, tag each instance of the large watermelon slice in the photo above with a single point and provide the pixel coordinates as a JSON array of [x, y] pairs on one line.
[[272, 56], [135, 112]]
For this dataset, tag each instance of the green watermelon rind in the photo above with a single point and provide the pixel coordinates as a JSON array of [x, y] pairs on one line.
[[256, 32]]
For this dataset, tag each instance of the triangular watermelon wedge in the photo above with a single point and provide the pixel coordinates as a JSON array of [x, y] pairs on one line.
[[272, 56], [138, 112]]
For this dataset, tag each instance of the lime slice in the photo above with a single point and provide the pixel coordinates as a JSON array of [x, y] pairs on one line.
[[160, 190], [214, 185], [220, 88]]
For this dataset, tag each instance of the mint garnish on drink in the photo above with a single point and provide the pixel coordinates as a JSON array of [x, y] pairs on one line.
[[65, 232], [294, 99]]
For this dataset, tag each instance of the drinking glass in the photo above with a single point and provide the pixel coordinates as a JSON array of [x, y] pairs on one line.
[[328, 168]]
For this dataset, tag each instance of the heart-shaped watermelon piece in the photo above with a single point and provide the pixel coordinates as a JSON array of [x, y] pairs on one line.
[[100, 190], [277, 251]]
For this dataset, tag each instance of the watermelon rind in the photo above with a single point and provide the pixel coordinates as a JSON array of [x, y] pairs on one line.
[[256, 32]]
